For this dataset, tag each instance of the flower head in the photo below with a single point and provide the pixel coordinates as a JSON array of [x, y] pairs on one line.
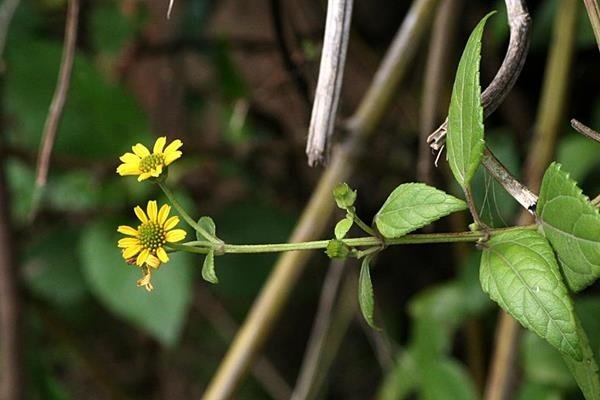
[[149, 165], [145, 245]]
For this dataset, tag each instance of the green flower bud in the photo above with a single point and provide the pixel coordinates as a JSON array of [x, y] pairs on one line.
[[344, 196]]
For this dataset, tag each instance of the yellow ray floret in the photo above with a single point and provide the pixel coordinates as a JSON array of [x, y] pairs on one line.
[[145, 245], [149, 165]]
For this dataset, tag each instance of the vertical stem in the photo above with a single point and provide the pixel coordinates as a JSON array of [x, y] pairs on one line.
[[548, 120]]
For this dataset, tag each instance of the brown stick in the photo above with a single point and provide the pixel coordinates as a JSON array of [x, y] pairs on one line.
[[320, 330], [11, 385], [442, 35], [263, 371], [518, 44], [10, 304], [593, 11], [57, 105], [547, 126], [313, 221], [585, 130]]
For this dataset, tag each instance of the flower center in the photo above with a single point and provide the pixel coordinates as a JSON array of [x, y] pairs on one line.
[[150, 162], [151, 235]]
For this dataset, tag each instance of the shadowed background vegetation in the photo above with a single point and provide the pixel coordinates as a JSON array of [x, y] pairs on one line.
[[221, 76]]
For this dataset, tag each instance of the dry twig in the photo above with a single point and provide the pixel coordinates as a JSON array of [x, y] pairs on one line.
[[57, 105], [329, 85]]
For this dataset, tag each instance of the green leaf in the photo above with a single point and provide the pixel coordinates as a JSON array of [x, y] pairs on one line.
[[366, 298], [465, 116], [572, 225], [413, 205], [585, 371], [208, 268], [160, 313], [400, 380], [208, 225], [519, 272], [446, 379], [536, 391], [342, 228], [100, 120]]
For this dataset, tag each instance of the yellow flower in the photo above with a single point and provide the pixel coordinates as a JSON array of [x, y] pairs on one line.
[[145, 245], [149, 165]]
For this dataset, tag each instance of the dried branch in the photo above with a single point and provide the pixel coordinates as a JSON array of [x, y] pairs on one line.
[[585, 130], [593, 11], [320, 329], [519, 21], [263, 371], [11, 385], [443, 33], [313, 221], [329, 85], [494, 94], [10, 304], [57, 105]]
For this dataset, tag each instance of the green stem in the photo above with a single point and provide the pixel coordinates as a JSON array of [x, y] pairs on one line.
[[362, 225], [368, 241], [186, 216]]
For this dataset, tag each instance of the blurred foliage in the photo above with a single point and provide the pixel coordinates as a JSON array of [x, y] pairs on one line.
[[244, 167]]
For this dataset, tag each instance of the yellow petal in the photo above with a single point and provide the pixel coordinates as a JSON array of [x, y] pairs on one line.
[[175, 235], [174, 146], [153, 261], [159, 145], [171, 223], [170, 157], [131, 251], [128, 169], [142, 257], [128, 242], [144, 176], [127, 230], [163, 213], [140, 150], [152, 210], [155, 172], [162, 255], [140, 214], [130, 158]]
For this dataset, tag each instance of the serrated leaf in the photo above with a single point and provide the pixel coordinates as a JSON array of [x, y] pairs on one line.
[[208, 268], [208, 225], [366, 298], [572, 225], [161, 313], [465, 115], [342, 228], [413, 205], [519, 272]]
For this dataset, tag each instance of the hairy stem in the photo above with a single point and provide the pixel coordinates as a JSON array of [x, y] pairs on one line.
[[367, 241], [173, 200]]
